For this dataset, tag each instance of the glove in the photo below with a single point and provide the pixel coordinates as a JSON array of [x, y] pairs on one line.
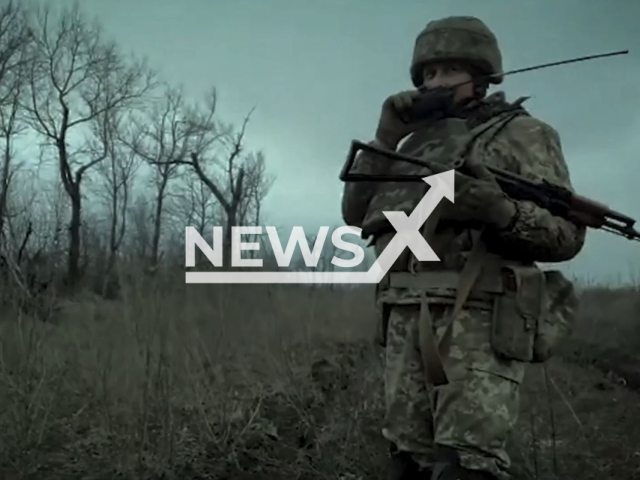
[[405, 112], [482, 200]]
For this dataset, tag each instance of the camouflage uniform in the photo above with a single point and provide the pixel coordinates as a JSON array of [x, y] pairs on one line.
[[475, 412]]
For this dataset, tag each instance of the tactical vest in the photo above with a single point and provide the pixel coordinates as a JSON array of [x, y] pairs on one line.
[[532, 309], [447, 142]]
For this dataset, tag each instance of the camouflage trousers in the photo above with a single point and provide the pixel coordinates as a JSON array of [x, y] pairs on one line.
[[473, 414]]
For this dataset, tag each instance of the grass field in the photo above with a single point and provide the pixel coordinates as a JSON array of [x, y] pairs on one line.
[[278, 382]]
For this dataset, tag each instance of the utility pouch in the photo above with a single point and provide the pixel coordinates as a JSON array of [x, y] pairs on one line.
[[517, 312], [536, 310]]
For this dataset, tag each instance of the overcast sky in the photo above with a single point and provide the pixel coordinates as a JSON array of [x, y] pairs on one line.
[[318, 71]]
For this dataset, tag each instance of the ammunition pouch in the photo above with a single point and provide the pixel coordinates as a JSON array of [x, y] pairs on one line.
[[536, 311], [533, 309]]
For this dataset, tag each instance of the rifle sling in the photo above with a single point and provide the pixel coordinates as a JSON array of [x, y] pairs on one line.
[[430, 349]]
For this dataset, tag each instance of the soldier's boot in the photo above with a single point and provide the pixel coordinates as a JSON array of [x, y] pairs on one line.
[[447, 467], [403, 467]]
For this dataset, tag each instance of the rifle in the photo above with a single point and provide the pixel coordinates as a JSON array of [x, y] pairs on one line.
[[558, 200], [436, 103]]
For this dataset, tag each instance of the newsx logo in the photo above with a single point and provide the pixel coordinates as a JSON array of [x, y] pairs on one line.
[[283, 257], [407, 235]]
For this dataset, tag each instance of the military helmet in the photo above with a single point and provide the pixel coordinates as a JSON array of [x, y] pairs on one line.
[[457, 38]]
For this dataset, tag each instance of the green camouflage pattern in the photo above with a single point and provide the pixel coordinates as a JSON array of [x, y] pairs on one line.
[[458, 38], [532, 149], [474, 413], [444, 141], [510, 140]]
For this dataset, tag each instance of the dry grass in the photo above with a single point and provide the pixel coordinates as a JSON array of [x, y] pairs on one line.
[[268, 382]]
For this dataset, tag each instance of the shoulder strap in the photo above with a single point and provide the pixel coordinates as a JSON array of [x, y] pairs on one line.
[[497, 123]]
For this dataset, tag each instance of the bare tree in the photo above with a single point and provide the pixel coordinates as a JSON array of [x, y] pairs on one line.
[[140, 217], [257, 185], [190, 135], [117, 174], [15, 36], [239, 182], [193, 204], [29, 252], [161, 139], [14, 39], [78, 78], [9, 129]]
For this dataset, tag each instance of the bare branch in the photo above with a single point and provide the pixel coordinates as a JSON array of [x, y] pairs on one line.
[[78, 83]]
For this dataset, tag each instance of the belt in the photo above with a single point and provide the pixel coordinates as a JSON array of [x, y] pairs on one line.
[[489, 282]]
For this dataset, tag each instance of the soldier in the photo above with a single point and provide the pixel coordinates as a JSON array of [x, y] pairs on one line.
[[455, 336]]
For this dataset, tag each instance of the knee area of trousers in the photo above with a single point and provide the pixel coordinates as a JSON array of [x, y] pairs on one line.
[[447, 467]]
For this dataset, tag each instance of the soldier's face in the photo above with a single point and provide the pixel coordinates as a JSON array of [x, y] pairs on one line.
[[446, 74]]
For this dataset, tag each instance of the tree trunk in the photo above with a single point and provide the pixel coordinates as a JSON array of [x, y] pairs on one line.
[[157, 223], [107, 279], [4, 186], [113, 244], [73, 272], [226, 250]]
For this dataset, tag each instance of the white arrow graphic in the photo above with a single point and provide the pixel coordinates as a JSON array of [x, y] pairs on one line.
[[408, 235], [408, 228]]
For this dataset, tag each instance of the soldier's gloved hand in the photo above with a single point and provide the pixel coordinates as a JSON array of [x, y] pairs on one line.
[[394, 125], [481, 199]]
